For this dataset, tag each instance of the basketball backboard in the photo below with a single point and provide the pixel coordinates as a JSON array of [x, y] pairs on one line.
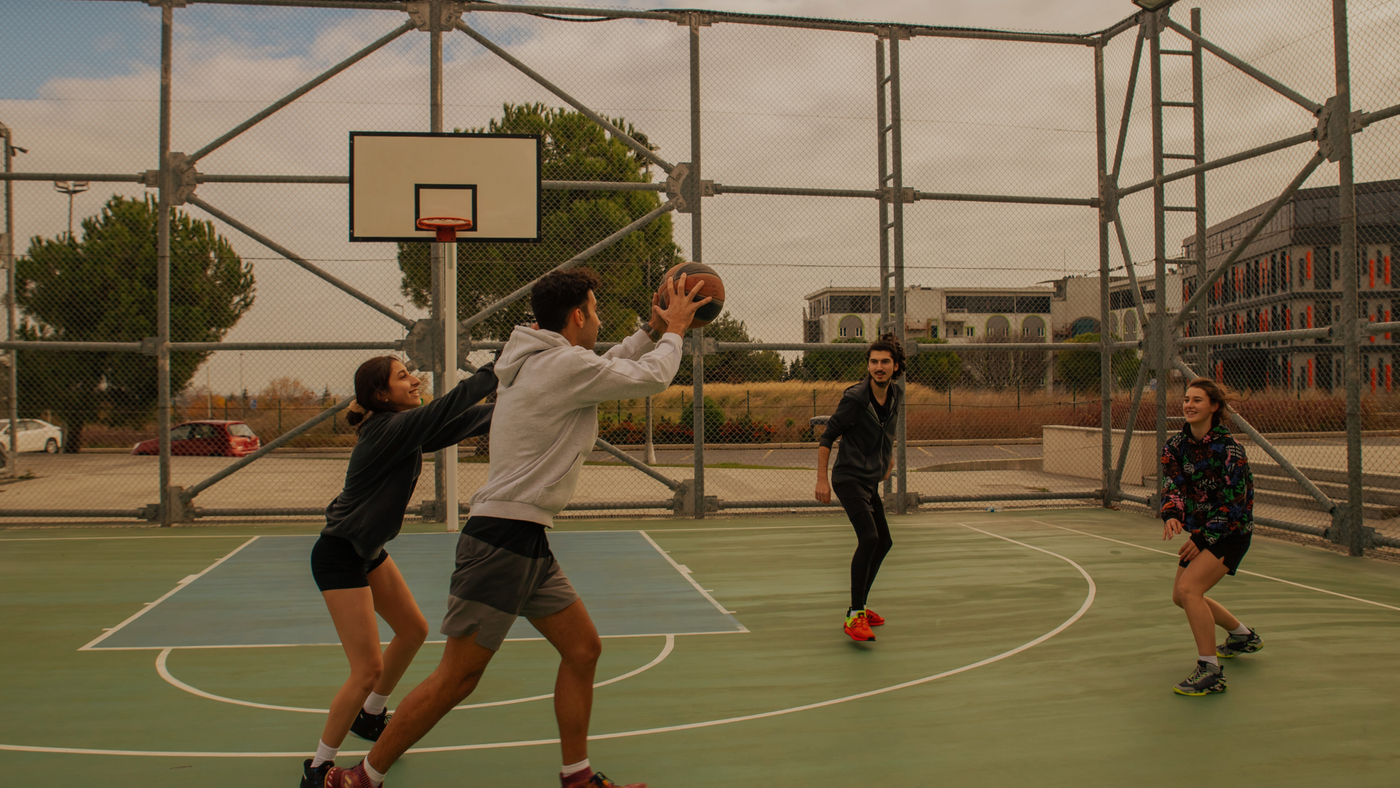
[[397, 178]]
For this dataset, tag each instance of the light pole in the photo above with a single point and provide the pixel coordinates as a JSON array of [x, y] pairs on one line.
[[70, 188], [241, 386]]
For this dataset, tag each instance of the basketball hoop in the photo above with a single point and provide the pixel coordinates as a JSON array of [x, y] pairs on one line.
[[446, 227]]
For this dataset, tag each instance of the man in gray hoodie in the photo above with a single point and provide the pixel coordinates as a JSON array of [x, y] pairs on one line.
[[545, 424]]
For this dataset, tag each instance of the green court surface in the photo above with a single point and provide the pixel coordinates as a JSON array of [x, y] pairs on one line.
[[1023, 648]]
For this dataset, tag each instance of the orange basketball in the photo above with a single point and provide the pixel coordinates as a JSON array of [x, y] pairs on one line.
[[713, 287]]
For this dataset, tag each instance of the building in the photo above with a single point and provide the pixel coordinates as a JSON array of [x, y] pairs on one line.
[[1067, 307], [1290, 277]]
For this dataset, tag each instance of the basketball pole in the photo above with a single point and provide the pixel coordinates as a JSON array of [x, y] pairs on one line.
[[448, 255]]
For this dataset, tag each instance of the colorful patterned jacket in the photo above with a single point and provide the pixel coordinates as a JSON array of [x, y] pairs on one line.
[[1207, 484]]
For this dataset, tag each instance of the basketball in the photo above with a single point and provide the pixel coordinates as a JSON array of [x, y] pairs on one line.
[[713, 287]]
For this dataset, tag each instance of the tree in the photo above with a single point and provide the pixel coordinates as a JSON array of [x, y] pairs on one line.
[[831, 364], [937, 369], [1080, 369], [287, 391], [102, 289], [1002, 369], [577, 149], [732, 366]]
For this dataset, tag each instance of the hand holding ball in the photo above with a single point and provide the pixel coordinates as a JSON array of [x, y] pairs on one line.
[[711, 286]]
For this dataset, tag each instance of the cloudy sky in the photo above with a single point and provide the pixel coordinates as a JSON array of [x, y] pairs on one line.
[[79, 86]]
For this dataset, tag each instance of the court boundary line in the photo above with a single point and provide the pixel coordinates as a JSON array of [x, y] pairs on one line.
[[182, 584], [539, 639], [685, 572], [1241, 571], [164, 671], [1075, 617]]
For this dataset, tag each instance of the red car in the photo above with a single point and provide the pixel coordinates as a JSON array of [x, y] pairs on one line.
[[206, 439]]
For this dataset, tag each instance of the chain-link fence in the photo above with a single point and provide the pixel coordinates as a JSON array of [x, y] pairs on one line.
[[1061, 227]]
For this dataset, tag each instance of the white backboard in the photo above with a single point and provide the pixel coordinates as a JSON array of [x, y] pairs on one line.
[[397, 178]]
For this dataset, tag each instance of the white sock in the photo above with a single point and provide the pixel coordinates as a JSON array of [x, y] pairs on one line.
[[1211, 658], [374, 777], [1240, 630], [324, 752], [574, 768], [375, 703]]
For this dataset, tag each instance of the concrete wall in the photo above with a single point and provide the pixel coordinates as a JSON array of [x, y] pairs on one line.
[[1075, 451]]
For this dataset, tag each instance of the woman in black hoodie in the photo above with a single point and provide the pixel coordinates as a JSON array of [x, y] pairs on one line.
[[866, 421], [356, 576]]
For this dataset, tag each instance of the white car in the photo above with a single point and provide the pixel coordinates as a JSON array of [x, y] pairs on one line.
[[34, 435]]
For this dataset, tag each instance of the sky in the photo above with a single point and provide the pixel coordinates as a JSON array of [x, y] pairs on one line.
[[780, 107]]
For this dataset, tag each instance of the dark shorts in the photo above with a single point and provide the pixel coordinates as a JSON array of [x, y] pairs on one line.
[[504, 570], [335, 564], [1230, 549]]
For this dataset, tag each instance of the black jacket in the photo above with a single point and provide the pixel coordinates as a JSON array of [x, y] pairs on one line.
[[866, 442], [388, 457]]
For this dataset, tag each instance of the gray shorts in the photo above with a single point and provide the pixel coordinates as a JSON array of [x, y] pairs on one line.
[[504, 570]]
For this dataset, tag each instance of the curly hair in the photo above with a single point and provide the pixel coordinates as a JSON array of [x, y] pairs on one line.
[[889, 344], [558, 293]]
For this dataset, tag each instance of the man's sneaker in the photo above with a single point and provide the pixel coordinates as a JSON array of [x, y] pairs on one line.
[[859, 628], [1239, 644], [873, 619], [591, 779], [369, 726], [1204, 680], [315, 778], [348, 778]]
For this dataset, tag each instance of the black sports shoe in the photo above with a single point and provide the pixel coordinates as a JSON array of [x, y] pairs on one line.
[[1239, 644], [369, 726], [314, 778], [1204, 680]]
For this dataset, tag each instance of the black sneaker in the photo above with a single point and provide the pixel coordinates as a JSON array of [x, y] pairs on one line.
[[314, 778], [1204, 680], [370, 726], [1239, 644]]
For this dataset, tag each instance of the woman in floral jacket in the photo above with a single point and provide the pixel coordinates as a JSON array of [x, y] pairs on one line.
[[1208, 492]]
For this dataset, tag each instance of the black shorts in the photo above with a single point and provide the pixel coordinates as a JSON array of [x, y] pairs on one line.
[[1230, 549], [335, 564]]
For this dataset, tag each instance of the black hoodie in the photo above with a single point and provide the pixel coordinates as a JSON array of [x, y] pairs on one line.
[[388, 457], [867, 442]]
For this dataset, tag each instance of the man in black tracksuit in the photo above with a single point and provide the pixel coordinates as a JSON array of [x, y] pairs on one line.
[[866, 421]]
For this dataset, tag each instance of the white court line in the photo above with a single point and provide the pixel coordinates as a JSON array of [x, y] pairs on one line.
[[385, 642], [183, 583], [1083, 608], [170, 679], [684, 572], [1241, 571]]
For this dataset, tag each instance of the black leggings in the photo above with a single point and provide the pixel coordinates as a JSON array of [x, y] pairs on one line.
[[867, 513]]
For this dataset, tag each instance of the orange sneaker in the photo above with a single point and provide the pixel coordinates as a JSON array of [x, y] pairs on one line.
[[873, 619], [859, 628], [594, 780]]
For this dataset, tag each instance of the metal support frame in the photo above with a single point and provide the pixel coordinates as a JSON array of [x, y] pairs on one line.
[[892, 196], [7, 257], [694, 206], [1105, 340], [176, 180]]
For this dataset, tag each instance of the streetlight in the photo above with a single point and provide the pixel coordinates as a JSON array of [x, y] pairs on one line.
[[240, 382], [70, 188]]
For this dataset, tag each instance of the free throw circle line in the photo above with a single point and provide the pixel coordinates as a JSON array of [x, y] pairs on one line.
[[164, 672], [1066, 624]]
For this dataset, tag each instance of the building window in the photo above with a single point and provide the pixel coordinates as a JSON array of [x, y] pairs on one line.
[[971, 331], [851, 326], [933, 331]]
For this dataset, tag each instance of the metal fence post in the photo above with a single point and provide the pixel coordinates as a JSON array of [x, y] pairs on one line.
[[1105, 341], [1199, 143], [441, 311], [1353, 534], [897, 171], [8, 152], [698, 363], [167, 499], [1159, 234]]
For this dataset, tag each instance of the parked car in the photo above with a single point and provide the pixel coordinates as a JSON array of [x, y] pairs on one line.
[[34, 435], [206, 439]]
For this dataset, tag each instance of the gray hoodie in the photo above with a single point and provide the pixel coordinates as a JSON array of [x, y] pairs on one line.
[[546, 416]]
